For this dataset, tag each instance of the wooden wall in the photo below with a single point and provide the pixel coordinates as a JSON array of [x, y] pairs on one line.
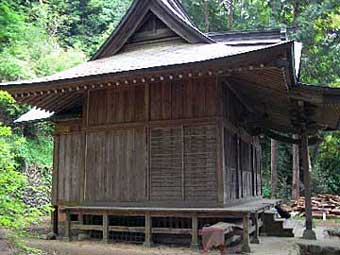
[[69, 151], [157, 144], [149, 143], [241, 152]]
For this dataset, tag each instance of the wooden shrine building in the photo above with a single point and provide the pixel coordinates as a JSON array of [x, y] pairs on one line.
[[164, 121]]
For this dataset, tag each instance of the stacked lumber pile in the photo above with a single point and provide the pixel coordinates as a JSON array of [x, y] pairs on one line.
[[329, 204]]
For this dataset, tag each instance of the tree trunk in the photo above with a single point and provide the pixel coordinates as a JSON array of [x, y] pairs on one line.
[[274, 146], [230, 15], [206, 15], [296, 171], [228, 6], [296, 13]]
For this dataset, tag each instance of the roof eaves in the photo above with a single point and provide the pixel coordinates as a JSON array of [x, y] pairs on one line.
[[20, 85]]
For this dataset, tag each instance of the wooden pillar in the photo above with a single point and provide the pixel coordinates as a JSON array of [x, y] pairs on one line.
[[105, 228], [67, 236], [194, 233], [148, 230], [245, 237], [308, 233], [55, 220], [274, 167], [255, 217], [296, 171]]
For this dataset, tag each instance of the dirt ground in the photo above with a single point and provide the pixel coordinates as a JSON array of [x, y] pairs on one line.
[[268, 245]]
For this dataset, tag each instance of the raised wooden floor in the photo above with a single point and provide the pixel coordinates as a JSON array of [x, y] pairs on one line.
[[149, 221]]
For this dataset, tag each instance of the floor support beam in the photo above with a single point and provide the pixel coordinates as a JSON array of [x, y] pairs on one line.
[[68, 226], [194, 235], [105, 228], [148, 230], [55, 220], [255, 218], [245, 237]]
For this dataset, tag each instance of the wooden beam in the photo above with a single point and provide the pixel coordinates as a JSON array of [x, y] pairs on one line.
[[105, 228], [67, 235], [47, 98], [246, 101], [148, 230], [245, 234], [194, 233], [61, 101], [255, 217], [308, 233], [55, 220], [296, 171], [273, 166]]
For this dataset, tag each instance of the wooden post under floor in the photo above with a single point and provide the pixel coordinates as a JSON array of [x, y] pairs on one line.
[[245, 237], [255, 218], [55, 220], [296, 171], [308, 233], [105, 228], [148, 230], [67, 236], [194, 234]]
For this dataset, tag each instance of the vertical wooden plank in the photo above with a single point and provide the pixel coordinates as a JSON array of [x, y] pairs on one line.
[[166, 100], [55, 170], [238, 168], [245, 234], [155, 101], [148, 230], [194, 233], [140, 104], [188, 99], [224, 168], [183, 162], [85, 137], [220, 164]]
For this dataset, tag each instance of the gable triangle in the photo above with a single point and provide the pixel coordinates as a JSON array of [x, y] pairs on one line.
[[140, 15], [151, 29]]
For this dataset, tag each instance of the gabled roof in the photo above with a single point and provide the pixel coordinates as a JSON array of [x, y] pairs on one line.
[[170, 12]]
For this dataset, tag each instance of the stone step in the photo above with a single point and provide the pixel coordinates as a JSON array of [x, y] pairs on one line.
[[273, 226]]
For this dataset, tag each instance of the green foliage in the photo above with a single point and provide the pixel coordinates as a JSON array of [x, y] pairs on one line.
[[327, 167], [266, 191], [37, 151], [12, 183], [83, 24], [27, 50]]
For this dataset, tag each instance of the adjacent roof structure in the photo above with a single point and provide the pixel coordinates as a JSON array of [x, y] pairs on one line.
[[157, 40]]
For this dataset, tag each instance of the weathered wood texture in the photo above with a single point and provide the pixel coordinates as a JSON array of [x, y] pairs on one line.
[[116, 166], [241, 152], [70, 165], [183, 163], [157, 143]]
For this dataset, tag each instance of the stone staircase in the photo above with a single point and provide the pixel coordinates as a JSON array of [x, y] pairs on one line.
[[273, 226]]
